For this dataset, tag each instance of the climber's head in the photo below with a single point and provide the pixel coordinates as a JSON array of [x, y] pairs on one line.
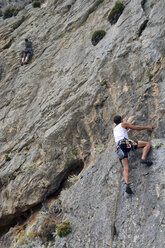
[[117, 119], [26, 40]]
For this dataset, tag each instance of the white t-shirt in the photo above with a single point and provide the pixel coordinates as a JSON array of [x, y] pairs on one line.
[[120, 133]]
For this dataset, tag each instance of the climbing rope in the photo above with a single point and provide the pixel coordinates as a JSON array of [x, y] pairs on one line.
[[117, 192]]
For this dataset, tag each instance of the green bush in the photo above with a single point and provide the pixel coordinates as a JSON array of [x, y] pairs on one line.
[[9, 12], [1, 14], [36, 4], [47, 228], [17, 10], [152, 3], [104, 82], [7, 158], [116, 12], [64, 229], [150, 76], [74, 152], [97, 36]]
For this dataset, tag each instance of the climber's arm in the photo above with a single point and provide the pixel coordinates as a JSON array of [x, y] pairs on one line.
[[131, 126]]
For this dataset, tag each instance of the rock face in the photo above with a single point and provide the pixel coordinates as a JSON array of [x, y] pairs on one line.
[[56, 118], [14, 3]]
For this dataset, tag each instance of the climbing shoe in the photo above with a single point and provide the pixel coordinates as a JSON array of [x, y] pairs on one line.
[[145, 161], [128, 190], [22, 63]]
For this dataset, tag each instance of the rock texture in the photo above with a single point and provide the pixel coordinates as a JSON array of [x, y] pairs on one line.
[[56, 118], [14, 3]]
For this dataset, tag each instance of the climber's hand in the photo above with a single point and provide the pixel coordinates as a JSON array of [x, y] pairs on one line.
[[149, 128]]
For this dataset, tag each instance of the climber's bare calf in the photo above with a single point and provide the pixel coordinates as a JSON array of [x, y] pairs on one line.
[[146, 148]]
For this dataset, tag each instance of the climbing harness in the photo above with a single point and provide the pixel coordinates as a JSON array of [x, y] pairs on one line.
[[124, 146], [117, 192]]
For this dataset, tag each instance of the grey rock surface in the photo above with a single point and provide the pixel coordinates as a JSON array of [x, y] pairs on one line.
[[55, 117], [139, 218], [14, 3]]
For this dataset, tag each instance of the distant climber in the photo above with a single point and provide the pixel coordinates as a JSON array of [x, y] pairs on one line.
[[27, 54], [124, 145]]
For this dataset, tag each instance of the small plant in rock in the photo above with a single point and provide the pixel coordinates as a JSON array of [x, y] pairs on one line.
[[104, 82], [74, 152], [64, 229], [9, 12], [7, 158], [150, 76], [97, 36], [153, 2], [1, 14], [40, 145], [116, 12], [36, 4], [99, 1], [73, 179], [47, 228], [24, 238], [70, 160], [63, 194], [17, 10]]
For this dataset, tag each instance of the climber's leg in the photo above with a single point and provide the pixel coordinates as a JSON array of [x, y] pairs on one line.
[[23, 59], [126, 169], [27, 58], [146, 148], [126, 175]]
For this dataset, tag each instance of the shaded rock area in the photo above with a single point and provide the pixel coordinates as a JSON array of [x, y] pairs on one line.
[[57, 155]]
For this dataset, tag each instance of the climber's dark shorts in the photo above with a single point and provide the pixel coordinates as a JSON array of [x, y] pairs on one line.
[[127, 145], [28, 50]]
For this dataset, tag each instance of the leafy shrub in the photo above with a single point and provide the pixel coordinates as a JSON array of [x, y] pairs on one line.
[[24, 238], [9, 12], [73, 179], [36, 4], [70, 160], [153, 2], [47, 228], [116, 12], [17, 10], [74, 152], [104, 82], [64, 229], [1, 14], [150, 76], [97, 36], [7, 158]]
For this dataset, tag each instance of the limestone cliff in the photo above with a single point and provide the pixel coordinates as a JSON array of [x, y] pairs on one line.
[[57, 154]]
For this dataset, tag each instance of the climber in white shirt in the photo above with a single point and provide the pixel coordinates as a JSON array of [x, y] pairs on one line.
[[124, 145]]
